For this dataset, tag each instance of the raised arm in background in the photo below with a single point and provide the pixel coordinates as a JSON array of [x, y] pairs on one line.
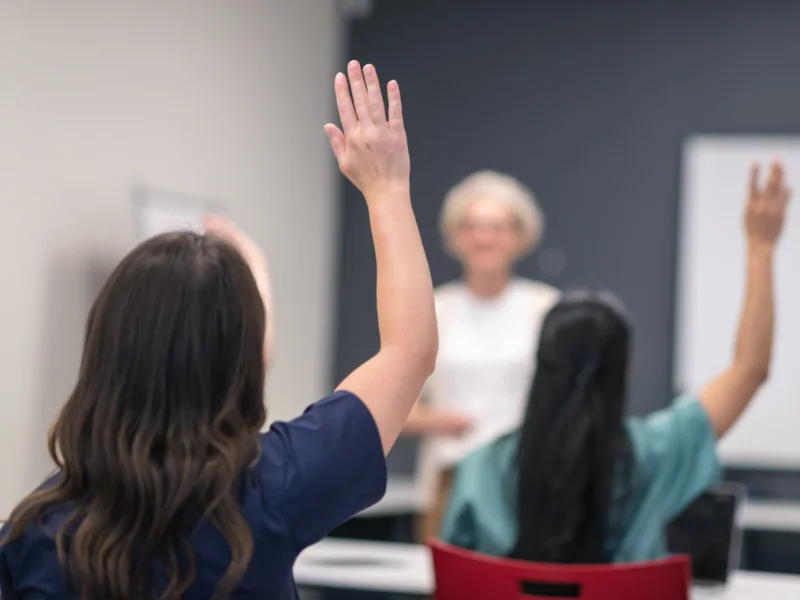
[[257, 261], [726, 396], [372, 153]]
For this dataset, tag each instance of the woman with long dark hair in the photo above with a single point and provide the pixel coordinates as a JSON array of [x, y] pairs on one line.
[[165, 486], [581, 483]]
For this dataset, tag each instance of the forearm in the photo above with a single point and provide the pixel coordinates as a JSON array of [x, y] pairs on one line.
[[264, 282], [418, 422], [222, 228], [727, 395], [756, 326], [390, 382], [260, 270], [406, 314]]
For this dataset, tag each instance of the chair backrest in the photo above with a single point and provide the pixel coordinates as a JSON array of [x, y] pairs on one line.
[[464, 575]]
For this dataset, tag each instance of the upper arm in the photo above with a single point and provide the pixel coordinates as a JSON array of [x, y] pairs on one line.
[[389, 385], [417, 420], [325, 466], [676, 450], [726, 396]]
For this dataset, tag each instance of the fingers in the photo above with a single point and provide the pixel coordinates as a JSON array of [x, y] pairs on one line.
[[222, 228], [775, 181], [755, 170], [359, 91], [347, 114], [337, 140], [374, 95], [395, 106], [219, 226]]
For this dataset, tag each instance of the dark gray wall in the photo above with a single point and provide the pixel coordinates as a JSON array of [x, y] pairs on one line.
[[588, 103]]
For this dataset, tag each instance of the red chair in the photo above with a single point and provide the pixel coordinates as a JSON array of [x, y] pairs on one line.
[[464, 575]]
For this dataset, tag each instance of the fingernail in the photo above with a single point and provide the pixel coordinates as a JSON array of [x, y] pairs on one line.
[[369, 69], [339, 76], [353, 64], [393, 84]]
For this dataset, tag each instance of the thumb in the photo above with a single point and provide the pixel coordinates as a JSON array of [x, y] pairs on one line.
[[336, 138]]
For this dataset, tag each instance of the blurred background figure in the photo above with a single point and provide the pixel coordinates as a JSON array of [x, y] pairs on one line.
[[488, 325], [596, 108], [579, 482]]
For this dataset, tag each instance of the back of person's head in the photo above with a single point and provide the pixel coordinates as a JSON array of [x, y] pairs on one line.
[[573, 443], [162, 424]]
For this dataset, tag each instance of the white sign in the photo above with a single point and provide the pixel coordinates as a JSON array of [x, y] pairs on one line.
[[159, 211]]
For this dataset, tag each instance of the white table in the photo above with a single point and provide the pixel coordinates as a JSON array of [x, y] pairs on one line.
[[771, 515], [386, 567], [407, 569], [403, 496]]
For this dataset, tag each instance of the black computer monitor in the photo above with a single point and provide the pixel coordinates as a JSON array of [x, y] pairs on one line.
[[708, 531]]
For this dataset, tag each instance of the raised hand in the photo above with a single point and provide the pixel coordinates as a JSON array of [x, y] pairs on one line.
[[221, 227], [373, 153], [224, 229], [371, 150], [766, 206], [727, 395]]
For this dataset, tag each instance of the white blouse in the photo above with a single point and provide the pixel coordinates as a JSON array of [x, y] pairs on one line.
[[486, 361]]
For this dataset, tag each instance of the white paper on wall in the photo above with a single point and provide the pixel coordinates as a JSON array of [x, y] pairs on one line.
[[159, 211]]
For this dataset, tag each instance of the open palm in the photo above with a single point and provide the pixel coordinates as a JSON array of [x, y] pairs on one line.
[[372, 151], [766, 205]]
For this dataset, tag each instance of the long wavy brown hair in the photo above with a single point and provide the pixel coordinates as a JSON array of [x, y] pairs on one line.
[[162, 424]]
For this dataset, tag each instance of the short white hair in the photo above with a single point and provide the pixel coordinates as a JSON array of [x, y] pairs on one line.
[[502, 188]]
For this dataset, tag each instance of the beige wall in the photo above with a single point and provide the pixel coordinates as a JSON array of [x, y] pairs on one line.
[[221, 99]]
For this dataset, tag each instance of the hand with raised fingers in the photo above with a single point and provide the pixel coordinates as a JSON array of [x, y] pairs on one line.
[[766, 206], [371, 149]]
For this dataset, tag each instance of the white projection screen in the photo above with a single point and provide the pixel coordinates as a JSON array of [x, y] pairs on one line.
[[711, 276]]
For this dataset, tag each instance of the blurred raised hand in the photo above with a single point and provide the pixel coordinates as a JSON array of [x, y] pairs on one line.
[[255, 258], [371, 149], [766, 206], [727, 395]]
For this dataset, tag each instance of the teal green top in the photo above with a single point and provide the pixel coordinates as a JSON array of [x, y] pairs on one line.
[[675, 460]]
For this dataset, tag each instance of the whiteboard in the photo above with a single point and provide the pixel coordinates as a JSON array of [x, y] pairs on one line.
[[711, 278], [158, 211]]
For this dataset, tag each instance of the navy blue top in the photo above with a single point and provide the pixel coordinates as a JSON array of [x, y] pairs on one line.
[[314, 473]]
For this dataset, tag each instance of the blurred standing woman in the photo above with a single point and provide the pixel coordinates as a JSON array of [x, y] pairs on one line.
[[488, 323]]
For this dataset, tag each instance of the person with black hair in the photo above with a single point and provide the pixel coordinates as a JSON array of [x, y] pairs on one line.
[[579, 482]]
